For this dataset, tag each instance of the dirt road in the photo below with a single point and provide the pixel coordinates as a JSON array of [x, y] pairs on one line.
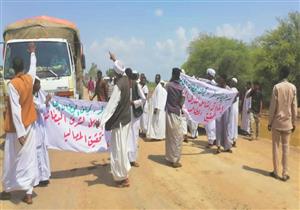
[[231, 181], [206, 181]]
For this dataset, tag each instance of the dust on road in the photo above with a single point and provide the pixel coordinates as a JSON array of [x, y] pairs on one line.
[[206, 181]]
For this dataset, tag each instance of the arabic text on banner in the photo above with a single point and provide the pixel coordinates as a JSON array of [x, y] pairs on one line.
[[70, 125], [204, 102]]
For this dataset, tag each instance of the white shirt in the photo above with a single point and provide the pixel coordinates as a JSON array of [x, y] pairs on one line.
[[14, 100]]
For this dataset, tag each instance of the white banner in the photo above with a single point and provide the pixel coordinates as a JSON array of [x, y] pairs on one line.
[[204, 102], [70, 125]]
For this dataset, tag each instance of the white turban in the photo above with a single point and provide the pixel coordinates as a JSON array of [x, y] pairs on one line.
[[119, 67], [234, 80], [211, 72]]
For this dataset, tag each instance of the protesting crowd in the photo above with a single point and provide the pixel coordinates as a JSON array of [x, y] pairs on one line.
[[132, 111]]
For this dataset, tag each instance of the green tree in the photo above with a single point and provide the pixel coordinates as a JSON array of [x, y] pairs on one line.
[[227, 56], [276, 48], [93, 71], [110, 72]]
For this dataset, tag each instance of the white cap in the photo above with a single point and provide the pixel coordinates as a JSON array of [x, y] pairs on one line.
[[183, 71], [134, 72], [234, 80], [211, 72], [119, 67]]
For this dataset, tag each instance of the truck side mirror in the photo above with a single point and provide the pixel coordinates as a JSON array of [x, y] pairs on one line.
[[83, 61]]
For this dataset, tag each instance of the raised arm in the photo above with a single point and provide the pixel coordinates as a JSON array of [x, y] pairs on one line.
[[32, 68]]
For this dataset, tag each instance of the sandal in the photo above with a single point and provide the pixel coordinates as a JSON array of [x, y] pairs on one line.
[[123, 183], [272, 174], [176, 165], [285, 178], [27, 199], [134, 164]]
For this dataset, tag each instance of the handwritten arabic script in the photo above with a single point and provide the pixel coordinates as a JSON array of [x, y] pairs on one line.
[[204, 102], [70, 125]]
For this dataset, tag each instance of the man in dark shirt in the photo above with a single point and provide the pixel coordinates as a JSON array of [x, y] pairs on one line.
[[101, 90], [255, 109], [174, 132]]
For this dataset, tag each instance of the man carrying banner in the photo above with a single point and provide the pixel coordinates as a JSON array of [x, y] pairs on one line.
[[157, 114], [41, 102], [117, 117], [137, 100], [20, 159], [222, 123], [234, 114], [210, 127], [174, 134], [246, 123], [144, 118]]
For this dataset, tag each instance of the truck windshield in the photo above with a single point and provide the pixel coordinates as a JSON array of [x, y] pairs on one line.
[[52, 58]]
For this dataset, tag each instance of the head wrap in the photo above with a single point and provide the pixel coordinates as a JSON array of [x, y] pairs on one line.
[[211, 72], [234, 80]]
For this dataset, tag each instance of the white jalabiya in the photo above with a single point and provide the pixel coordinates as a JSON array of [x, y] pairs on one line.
[[210, 127], [20, 162], [135, 126], [245, 115], [157, 122], [41, 139], [234, 118], [120, 165], [189, 124], [144, 118], [193, 127]]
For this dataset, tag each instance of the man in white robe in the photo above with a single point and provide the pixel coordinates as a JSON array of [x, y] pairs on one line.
[[246, 121], [144, 118], [193, 127], [41, 102], [137, 99], [116, 117], [157, 113], [20, 159], [210, 127], [234, 114]]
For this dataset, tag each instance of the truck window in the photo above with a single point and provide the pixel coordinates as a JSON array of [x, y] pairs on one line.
[[52, 58]]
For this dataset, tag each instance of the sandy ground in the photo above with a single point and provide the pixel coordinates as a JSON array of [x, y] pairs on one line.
[[206, 181]]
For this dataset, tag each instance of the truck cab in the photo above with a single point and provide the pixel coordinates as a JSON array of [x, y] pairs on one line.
[[59, 53], [55, 65]]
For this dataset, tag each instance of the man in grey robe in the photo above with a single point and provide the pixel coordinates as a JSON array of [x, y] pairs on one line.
[[174, 132], [222, 124]]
